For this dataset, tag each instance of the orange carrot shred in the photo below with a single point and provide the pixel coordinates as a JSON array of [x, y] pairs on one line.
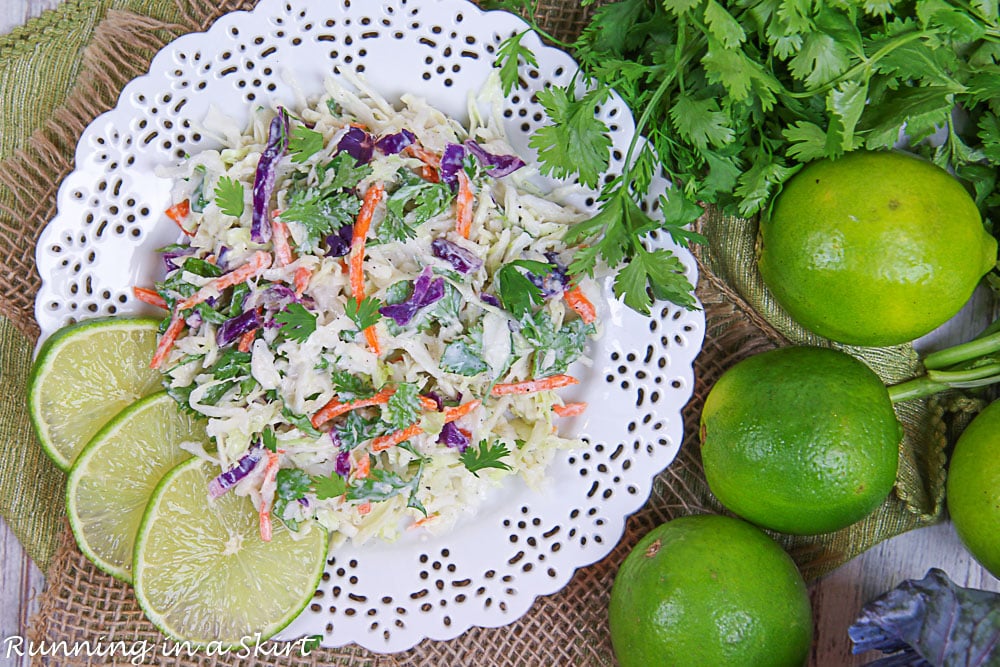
[[335, 407], [531, 386], [179, 211], [302, 277], [429, 159], [152, 297], [430, 174], [423, 521], [279, 236], [365, 507], [428, 403], [569, 409], [364, 220], [371, 335], [463, 205], [364, 467], [259, 261], [270, 478], [167, 341], [246, 340], [576, 300]]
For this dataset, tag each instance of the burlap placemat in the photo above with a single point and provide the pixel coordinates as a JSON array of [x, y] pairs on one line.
[[82, 604]]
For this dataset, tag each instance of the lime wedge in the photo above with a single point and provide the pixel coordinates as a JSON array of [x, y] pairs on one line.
[[84, 375], [112, 479], [201, 572]]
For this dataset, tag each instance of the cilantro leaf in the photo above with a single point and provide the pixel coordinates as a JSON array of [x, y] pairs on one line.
[[555, 349], [356, 429], [517, 293], [347, 173], [300, 422], [229, 196], [350, 387], [576, 142], [363, 314], [304, 143], [320, 216], [333, 486], [381, 485], [648, 274], [460, 358], [403, 407], [509, 56], [292, 483], [487, 456], [298, 323]]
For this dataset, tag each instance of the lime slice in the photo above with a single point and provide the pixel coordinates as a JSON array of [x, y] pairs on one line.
[[112, 479], [202, 574], [84, 375]]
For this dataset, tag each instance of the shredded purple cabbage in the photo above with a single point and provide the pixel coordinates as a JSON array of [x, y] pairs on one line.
[[497, 166], [555, 281], [391, 144], [343, 464], [358, 143], [490, 299], [426, 290], [193, 319], [235, 327], [452, 161], [339, 243], [463, 260], [222, 258], [229, 478], [170, 255], [275, 297], [263, 180], [452, 436]]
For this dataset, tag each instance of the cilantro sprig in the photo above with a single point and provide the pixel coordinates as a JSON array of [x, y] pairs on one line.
[[486, 456], [732, 99]]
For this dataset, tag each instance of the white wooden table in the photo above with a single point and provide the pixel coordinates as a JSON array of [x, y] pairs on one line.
[[837, 598]]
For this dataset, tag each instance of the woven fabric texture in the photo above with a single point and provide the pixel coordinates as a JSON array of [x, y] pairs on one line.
[[106, 43]]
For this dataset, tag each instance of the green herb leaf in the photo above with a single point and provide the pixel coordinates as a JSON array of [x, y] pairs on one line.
[[403, 407], [292, 483], [333, 486], [356, 429], [487, 456], [351, 387], [298, 322], [229, 196], [364, 314], [509, 56], [460, 358], [304, 143], [576, 142]]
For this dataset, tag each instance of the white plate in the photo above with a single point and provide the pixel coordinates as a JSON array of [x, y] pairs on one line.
[[522, 543]]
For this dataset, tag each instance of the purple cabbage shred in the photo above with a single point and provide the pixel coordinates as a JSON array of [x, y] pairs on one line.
[[452, 161], [234, 327], [263, 181], [490, 299], [339, 243], [229, 478], [426, 290], [452, 436], [170, 255], [358, 144], [496, 165], [555, 281], [392, 144], [343, 464], [463, 260]]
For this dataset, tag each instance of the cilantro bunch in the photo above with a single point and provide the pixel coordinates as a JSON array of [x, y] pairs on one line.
[[734, 97]]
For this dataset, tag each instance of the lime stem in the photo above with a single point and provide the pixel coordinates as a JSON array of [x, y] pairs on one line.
[[937, 381]]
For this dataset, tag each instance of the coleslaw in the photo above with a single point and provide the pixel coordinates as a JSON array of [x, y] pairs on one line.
[[372, 309]]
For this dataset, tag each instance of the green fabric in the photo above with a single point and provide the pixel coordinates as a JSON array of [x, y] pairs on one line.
[[39, 61]]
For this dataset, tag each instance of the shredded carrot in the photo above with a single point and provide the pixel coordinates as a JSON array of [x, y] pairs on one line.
[[364, 220], [246, 340], [365, 507], [371, 335], [428, 403], [167, 341], [302, 277], [569, 409], [152, 297], [259, 261], [178, 212], [531, 386], [423, 521], [364, 467], [335, 407], [431, 160], [463, 205], [267, 495], [279, 236], [576, 300], [430, 174], [384, 442], [360, 126]]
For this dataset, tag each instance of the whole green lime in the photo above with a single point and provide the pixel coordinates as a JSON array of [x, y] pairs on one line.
[[973, 489], [802, 440], [874, 248], [709, 590]]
